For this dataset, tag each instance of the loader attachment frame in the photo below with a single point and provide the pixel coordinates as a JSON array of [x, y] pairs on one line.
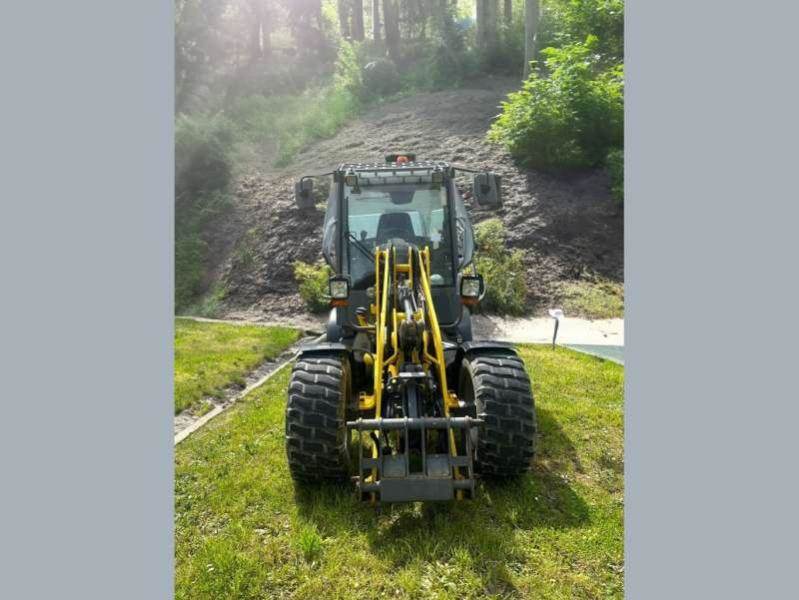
[[431, 455]]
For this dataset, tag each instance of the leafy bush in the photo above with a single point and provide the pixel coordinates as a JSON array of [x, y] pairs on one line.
[[439, 67], [192, 218], [615, 166], [202, 178], [348, 74], [202, 153], [565, 22], [189, 254], [569, 119], [208, 305], [313, 283], [380, 77], [502, 270]]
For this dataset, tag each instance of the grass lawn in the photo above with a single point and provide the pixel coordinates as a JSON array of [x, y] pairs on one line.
[[211, 356], [243, 532]]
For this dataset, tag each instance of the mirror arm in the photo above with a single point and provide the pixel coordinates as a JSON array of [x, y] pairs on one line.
[[304, 177]]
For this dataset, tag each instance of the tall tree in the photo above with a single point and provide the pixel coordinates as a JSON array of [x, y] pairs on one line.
[[257, 29], [451, 44], [507, 12], [307, 28], [531, 17], [443, 15], [267, 26], [198, 47], [486, 24], [376, 20], [357, 20], [344, 17], [391, 24]]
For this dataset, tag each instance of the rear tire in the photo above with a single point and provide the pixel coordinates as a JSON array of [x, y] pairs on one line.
[[500, 390], [315, 419]]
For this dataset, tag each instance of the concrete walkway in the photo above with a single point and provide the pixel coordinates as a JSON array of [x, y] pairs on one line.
[[603, 338], [604, 332]]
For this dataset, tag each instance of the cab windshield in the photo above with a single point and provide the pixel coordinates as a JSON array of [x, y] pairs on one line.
[[399, 215]]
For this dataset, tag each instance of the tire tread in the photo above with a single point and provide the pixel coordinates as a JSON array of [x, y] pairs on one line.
[[315, 428], [504, 397]]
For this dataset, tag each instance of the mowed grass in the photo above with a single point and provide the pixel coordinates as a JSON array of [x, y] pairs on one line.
[[242, 531], [211, 356]]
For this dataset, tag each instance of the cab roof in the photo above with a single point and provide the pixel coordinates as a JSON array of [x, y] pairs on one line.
[[427, 165]]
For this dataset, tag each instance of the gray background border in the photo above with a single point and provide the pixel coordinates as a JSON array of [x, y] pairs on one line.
[[710, 250], [87, 166], [86, 301]]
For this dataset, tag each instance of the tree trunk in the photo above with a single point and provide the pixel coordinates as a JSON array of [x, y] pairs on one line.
[[443, 11], [491, 29], [357, 20], [507, 12], [376, 20], [420, 16], [390, 14], [444, 22], [266, 35], [486, 24], [479, 21], [531, 15], [344, 18], [256, 51]]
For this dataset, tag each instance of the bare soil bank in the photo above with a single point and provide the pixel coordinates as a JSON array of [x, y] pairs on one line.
[[567, 224]]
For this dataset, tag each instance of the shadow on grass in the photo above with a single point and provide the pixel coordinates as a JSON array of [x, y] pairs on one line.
[[484, 529]]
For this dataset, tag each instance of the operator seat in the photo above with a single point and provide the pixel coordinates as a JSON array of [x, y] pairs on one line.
[[394, 225]]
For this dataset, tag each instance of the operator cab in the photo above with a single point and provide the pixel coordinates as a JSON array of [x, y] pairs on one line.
[[401, 204], [398, 215]]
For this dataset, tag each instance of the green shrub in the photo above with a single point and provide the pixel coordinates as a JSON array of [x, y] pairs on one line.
[[565, 22], [202, 153], [313, 284], [202, 177], [615, 166], [380, 77], [570, 118], [447, 59], [208, 305], [502, 270], [193, 215], [439, 67], [348, 73], [189, 253]]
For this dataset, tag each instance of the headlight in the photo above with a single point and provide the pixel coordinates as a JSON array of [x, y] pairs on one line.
[[471, 287], [339, 288]]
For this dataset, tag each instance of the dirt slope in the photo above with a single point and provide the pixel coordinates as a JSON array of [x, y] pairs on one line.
[[567, 224]]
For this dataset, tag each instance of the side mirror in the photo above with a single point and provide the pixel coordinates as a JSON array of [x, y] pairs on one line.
[[487, 189], [303, 193], [473, 289]]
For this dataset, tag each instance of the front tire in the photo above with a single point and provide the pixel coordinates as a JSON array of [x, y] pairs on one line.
[[316, 419], [500, 390]]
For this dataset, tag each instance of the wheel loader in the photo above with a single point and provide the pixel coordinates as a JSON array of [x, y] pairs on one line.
[[399, 397]]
